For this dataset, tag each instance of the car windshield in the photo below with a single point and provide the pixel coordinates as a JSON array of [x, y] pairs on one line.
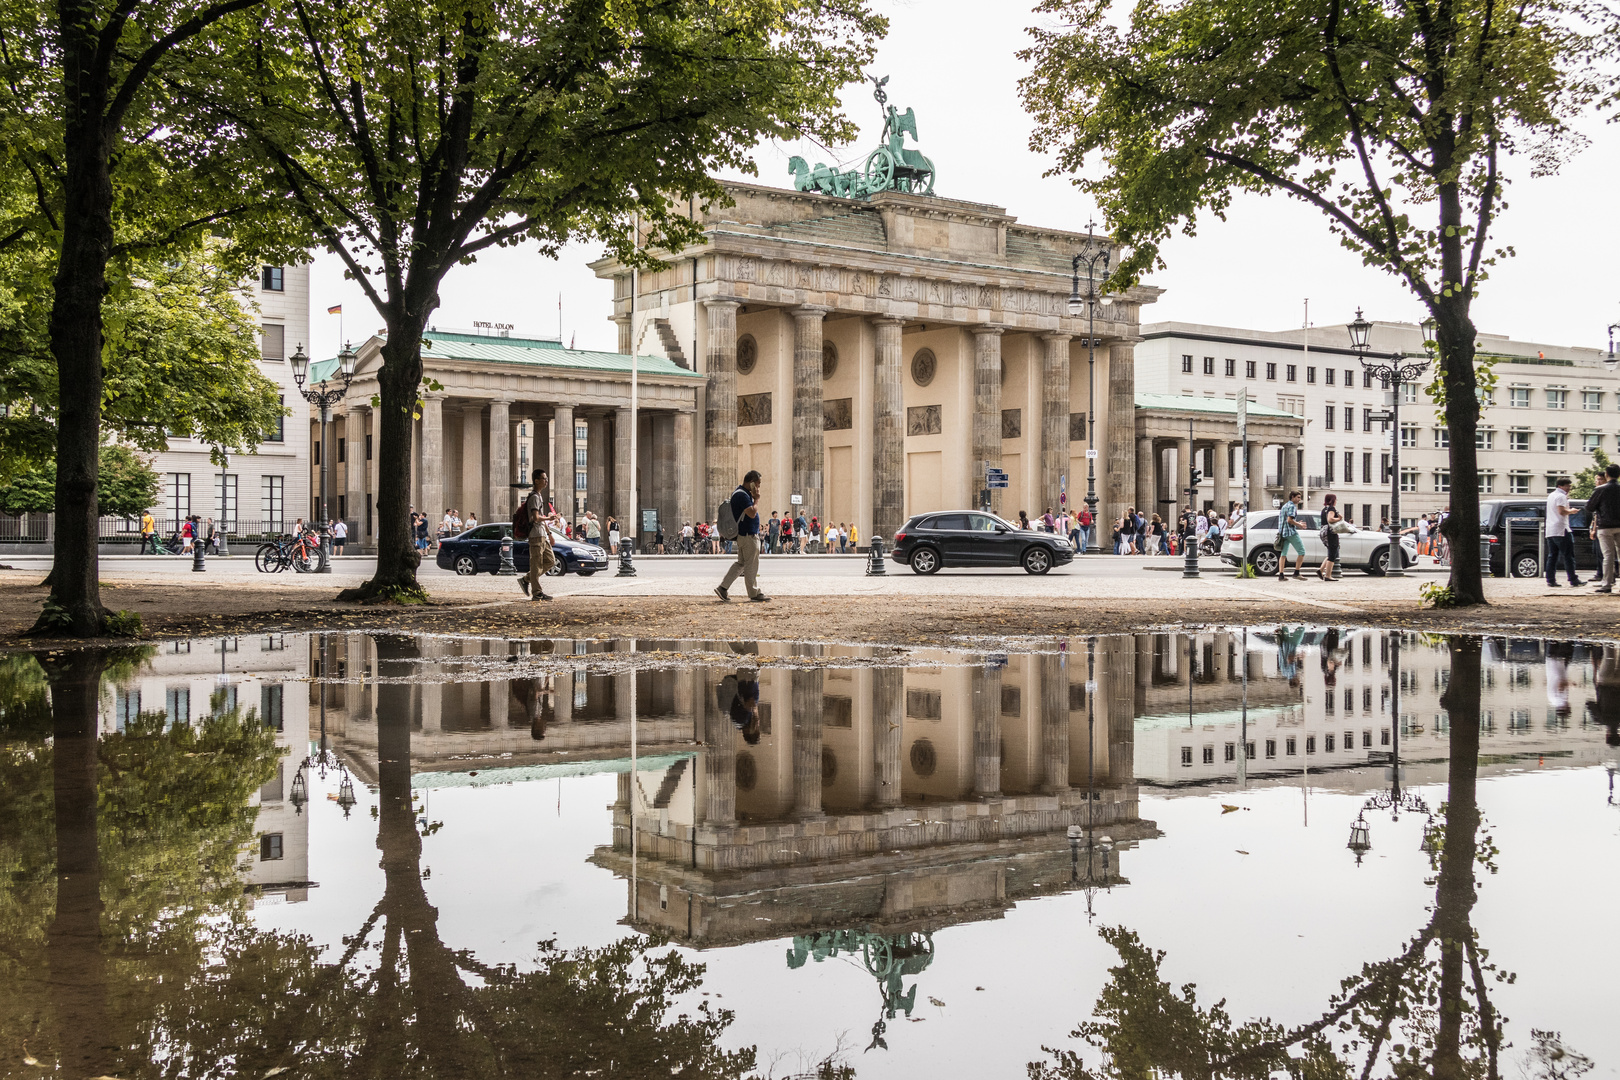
[[986, 523]]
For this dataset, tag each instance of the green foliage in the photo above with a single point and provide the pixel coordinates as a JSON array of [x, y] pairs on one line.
[[123, 624], [1246, 570], [25, 702], [401, 594], [1587, 480], [32, 491], [1437, 595], [126, 484]]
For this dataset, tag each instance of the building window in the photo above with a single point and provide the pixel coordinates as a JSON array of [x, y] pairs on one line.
[[1519, 483], [1332, 414], [1519, 441], [1349, 471], [1518, 397], [1485, 438], [342, 450], [1186, 363], [1366, 740], [279, 432], [1366, 469], [1271, 372], [315, 448], [1557, 399], [1409, 479], [368, 446], [1409, 436], [225, 500], [1209, 755], [270, 279], [1552, 480], [1290, 747], [1366, 379], [1310, 744], [1383, 469], [1329, 374], [579, 458], [273, 341], [1409, 393], [1487, 483], [579, 481], [1592, 400], [1327, 744], [1366, 419], [1292, 373], [1231, 751], [1310, 375], [127, 706], [1591, 440], [269, 847], [1442, 438], [270, 699], [1328, 462], [1442, 480], [177, 496], [1557, 442], [177, 705], [1209, 365], [1486, 398], [1271, 749], [273, 491], [1231, 368], [1186, 757], [1248, 369]]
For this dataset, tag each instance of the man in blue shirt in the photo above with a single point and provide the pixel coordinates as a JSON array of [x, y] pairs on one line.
[[747, 516]]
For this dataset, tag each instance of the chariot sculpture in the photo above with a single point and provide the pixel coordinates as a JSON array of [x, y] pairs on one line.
[[891, 167]]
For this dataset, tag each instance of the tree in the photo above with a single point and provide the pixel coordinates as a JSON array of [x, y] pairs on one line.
[[1394, 118], [102, 164], [446, 129], [125, 484], [1587, 480]]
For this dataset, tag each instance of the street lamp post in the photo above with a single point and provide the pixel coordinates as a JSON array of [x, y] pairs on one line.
[[1093, 256], [324, 398], [1392, 374]]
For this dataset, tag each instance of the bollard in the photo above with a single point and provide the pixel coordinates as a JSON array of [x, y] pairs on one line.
[[1189, 565], [626, 568], [876, 567], [507, 568], [198, 565]]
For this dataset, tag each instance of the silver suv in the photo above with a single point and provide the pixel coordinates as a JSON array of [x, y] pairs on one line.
[[1363, 549]]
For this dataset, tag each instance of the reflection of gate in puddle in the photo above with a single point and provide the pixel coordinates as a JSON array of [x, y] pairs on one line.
[[888, 958]]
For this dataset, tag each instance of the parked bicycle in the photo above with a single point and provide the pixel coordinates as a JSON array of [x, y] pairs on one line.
[[298, 552]]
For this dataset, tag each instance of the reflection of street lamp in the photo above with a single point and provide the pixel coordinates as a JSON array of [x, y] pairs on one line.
[[1394, 800], [1393, 374], [324, 399], [1093, 256], [1360, 838], [323, 759]]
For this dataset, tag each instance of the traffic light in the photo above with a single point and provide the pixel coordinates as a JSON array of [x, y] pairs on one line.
[[1196, 477]]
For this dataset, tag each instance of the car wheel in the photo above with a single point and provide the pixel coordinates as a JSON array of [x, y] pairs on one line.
[[1378, 565], [557, 570], [1037, 560], [925, 560], [1526, 564], [1264, 561], [466, 565]]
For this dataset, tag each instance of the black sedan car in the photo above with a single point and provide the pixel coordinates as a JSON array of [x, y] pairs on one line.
[[927, 542], [479, 551]]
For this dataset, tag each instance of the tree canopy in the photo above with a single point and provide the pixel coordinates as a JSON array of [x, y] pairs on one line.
[[125, 485]]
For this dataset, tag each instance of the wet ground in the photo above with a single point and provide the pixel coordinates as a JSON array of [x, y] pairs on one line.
[[317, 855]]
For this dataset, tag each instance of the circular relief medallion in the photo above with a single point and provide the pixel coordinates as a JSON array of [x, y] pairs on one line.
[[923, 758], [923, 366], [747, 772], [829, 360], [747, 354]]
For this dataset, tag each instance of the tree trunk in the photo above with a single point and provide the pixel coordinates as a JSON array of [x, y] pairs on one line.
[[78, 966], [399, 379], [81, 283], [1456, 333], [1455, 895]]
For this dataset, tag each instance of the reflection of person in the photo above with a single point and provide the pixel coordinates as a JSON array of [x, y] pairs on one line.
[[738, 697], [1288, 652], [1605, 708], [1559, 654], [1330, 659]]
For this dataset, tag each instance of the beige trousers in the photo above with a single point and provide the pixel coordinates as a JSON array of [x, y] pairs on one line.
[[541, 560], [747, 565], [1609, 542]]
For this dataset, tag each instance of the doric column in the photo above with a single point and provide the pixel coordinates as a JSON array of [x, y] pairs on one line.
[[1146, 462], [624, 475], [719, 761], [1290, 468], [888, 434], [1119, 678], [987, 732], [685, 492], [1223, 475], [564, 697], [624, 695], [562, 453], [720, 405], [372, 448], [1054, 418], [1184, 452], [1121, 436], [473, 469], [433, 459], [888, 727], [624, 333], [807, 706], [354, 471], [809, 419], [598, 457], [986, 411], [1054, 689], [500, 494]]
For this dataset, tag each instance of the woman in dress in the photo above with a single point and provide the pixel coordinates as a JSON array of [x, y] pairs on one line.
[[1330, 537]]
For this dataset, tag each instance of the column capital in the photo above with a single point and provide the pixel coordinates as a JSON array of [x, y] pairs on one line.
[[807, 311], [718, 303], [1057, 336], [988, 330], [887, 320]]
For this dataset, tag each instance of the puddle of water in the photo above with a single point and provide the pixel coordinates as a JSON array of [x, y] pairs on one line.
[[486, 858]]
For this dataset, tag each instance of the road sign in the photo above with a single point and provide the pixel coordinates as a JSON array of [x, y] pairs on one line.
[[995, 474], [796, 500], [995, 483]]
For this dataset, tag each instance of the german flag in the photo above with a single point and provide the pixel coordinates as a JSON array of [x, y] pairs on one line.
[[338, 310]]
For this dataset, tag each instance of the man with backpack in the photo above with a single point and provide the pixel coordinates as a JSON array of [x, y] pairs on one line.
[[739, 519], [532, 522]]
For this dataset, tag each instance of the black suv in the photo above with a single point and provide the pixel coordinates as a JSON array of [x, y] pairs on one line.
[[1527, 516], [965, 538]]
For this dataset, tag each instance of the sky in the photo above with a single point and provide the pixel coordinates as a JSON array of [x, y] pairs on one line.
[[954, 62]]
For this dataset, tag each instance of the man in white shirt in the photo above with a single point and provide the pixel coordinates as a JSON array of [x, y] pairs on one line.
[[1560, 546], [340, 533]]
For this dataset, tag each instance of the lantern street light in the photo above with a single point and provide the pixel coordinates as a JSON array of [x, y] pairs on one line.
[[1611, 361], [324, 398], [1393, 374], [1093, 256]]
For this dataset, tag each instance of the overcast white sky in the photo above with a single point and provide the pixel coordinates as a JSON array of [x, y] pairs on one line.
[[953, 61]]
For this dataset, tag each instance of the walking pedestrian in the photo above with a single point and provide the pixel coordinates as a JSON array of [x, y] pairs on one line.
[[1604, 510], [613, 534], [541, 515], [773, 537], [1560, 546], [148, 532], [340, 534], [1084, 523], [746, 515], [1288, 537], [1330, 535], [854, 538]]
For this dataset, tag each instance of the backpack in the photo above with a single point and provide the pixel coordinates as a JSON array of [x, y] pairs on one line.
[[726, 520], [520, 520]]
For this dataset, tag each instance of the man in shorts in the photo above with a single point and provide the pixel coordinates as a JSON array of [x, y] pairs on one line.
[[542, 516], [1288, 536]]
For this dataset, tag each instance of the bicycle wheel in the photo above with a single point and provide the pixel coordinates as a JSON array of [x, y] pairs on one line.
[[267, 560], [300, 560]]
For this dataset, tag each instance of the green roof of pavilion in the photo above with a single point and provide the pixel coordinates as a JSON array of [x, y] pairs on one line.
[[1217, 406], [525, 352]]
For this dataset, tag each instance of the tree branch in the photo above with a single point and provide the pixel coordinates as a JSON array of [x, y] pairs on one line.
[[135, 78]]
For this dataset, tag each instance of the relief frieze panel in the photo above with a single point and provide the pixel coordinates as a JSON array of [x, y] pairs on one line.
[[753, 410], [924, 420]]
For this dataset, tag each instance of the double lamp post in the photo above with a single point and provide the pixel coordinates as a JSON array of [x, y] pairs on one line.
[[1393, 373], [1093, 256], [324, 398]]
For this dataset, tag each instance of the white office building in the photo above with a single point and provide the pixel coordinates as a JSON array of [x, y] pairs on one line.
[[1551, 407]]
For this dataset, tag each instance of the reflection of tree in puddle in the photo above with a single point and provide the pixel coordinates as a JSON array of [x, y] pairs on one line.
[[887, 957], [1425, 1012]]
